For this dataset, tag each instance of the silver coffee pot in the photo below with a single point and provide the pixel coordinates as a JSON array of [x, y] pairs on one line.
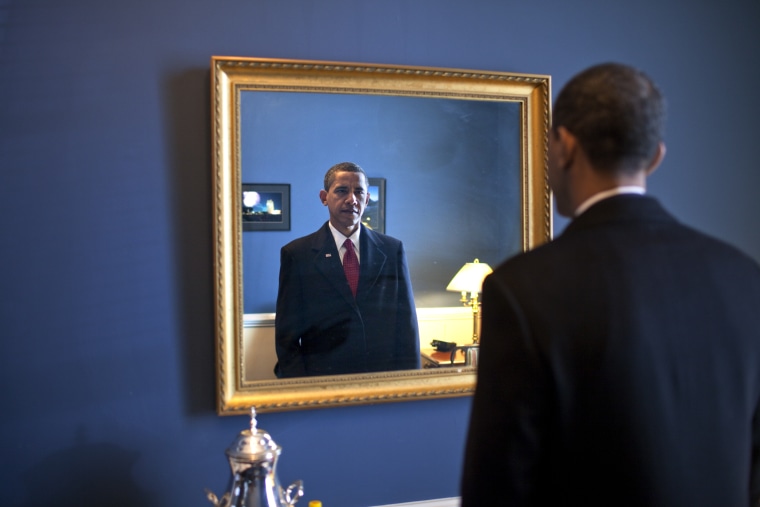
[[253, 461]]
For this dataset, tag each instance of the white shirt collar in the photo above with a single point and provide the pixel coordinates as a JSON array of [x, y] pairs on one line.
[[630, 189], [340, 238]]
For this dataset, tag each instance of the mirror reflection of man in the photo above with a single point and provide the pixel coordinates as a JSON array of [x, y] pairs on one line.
[[323, 325]]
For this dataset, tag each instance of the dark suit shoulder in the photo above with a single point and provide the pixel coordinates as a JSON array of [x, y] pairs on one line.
[[380, 239], [314, 240], [625, 227]]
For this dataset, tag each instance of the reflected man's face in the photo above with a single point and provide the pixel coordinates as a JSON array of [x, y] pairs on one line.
[[346, 199]]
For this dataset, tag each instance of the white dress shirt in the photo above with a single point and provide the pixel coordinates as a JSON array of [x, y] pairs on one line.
[[340, 238]]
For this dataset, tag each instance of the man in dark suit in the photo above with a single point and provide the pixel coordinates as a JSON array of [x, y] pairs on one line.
[[620, 363], [323, 325]]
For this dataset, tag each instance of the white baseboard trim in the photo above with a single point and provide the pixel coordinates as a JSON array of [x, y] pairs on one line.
[[441, 502]]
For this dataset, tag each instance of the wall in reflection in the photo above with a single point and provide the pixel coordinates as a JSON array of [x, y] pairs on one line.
[[445, 199], [446, 324]]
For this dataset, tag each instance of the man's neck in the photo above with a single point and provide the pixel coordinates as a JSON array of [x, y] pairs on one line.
[[347, 233], [605, 194], [591, 185]]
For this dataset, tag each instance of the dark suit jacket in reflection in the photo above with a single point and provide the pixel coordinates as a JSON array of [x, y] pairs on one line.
[[321, 329], [619, 366]]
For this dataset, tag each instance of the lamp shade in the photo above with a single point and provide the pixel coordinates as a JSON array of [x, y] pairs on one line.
[[470, 277]]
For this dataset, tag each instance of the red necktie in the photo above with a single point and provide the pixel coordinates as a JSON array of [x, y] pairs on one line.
[[351, 266]]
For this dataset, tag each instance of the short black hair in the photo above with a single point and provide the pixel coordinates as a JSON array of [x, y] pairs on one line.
[[343, 166], [616, 112]]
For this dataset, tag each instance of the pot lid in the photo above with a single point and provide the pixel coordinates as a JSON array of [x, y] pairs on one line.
[[253, 444]]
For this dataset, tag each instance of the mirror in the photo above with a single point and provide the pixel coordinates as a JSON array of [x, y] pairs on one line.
[[460, 158]]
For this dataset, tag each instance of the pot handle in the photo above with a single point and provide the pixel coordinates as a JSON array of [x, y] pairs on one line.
[[294, 492]]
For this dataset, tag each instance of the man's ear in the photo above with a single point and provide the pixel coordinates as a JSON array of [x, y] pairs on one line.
[[323, 197], [568, 147], [657, 159]]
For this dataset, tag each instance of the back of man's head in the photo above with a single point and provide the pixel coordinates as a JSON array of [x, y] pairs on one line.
[[617, 114]]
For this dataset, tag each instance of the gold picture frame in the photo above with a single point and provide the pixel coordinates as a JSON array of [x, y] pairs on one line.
[[231, 76]]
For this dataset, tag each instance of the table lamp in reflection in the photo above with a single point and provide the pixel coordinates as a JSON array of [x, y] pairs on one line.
[[470, 279]]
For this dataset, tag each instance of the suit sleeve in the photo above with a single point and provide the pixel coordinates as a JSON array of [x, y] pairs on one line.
[[503, 453], [288, 327], [408, 345]]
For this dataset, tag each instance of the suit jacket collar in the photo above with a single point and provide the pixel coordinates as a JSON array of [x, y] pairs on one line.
[[373, 260], [618, 209]]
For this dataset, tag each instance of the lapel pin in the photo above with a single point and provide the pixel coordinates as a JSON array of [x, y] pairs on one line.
[[328, 255]]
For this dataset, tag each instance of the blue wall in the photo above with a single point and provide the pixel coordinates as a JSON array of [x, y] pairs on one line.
[[107, 357]]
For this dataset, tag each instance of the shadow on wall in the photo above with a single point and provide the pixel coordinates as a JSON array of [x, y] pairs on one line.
[[85, 475], [188, 129]]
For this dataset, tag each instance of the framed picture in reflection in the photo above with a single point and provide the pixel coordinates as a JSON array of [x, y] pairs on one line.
[[374, 213], [266, 207]]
